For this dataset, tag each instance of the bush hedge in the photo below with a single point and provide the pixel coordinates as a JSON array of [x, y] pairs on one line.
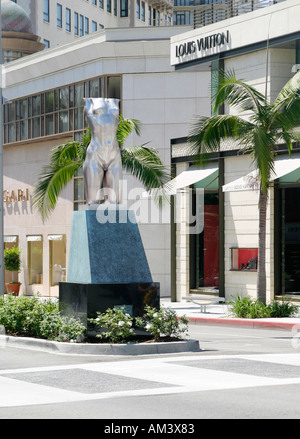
[[32, 317], [248, 308]]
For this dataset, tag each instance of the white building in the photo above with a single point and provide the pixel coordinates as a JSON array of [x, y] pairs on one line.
[[262, 47], [65, 20]]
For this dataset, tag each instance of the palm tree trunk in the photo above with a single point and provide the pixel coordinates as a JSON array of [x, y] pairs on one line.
[[261, 275]]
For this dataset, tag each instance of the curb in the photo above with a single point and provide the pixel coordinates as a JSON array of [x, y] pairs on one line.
[[101, 348], [252, 323]]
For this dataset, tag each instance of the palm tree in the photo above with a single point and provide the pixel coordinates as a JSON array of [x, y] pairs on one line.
[[267, 125], [66, 159]]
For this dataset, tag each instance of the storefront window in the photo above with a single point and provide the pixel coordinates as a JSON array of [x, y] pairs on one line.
[[290, 241], [9, 242], [57, 254], [204, 247], [35, 259]]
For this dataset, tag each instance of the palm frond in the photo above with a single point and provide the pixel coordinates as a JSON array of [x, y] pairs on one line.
[[64, 161], [207, 133], [126, 127], [144, 163], [288, 94], [237, 93], [287, 117], [261, 147]]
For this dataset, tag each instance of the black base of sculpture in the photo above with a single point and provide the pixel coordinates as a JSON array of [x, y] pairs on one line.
[[84, 300]]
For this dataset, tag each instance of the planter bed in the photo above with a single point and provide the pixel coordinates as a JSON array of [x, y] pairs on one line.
[[144, 348]]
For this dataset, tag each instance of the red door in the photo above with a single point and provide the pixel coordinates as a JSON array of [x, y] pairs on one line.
[[211, 245]]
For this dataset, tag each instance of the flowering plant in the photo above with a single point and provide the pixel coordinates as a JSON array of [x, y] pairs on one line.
[[115, 324], [163, 323]]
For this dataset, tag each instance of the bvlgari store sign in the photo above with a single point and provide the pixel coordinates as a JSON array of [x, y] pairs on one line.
[[15, 195], [201, 47]]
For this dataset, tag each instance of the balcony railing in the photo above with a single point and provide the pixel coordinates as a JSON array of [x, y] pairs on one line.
[[160, 4], [211, 11]]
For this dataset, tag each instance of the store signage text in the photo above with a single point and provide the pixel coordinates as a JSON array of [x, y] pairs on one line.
[[14, 196], [202, 44]]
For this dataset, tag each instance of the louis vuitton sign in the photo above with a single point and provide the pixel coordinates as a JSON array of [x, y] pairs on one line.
[[16, 195], [189, 49], [202, 44]]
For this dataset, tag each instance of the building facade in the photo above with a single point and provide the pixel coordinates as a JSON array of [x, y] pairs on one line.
[[163, 77], [266, 59]]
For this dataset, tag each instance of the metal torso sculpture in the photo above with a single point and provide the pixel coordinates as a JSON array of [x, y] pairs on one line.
[[103, 165]]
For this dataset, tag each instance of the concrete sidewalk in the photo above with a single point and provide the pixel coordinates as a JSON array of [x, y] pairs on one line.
[[220, 315]]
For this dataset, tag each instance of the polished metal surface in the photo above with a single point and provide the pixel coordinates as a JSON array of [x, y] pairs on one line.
[[102, 168]]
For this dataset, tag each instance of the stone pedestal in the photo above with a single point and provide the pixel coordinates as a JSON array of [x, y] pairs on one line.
[[84, 300], [107, 266], [106, 247]]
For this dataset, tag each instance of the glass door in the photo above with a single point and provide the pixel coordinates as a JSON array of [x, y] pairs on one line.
[[57, 259], [290, 240], [204, 248]]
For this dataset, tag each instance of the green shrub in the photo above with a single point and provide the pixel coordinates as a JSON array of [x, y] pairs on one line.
[[248, 308], [163, 323], [33, 317], [282, 309], [115, 324], [12, 259]]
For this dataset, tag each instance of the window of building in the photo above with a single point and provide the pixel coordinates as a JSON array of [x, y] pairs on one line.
[[9, 242], [59, 15], [68, 20], [55, 111], [35, 259], [123, 8], [101, 5], [94, 26], [108, 5], [181, 18], [149, 16], [143, 11], [184, 2], [138, 8], [46, 11], [113, 87], [94, 2], [81, 25], [78, 190], [57, 258], [86, 26], [76, 23], [47, 44], [115, 7]]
